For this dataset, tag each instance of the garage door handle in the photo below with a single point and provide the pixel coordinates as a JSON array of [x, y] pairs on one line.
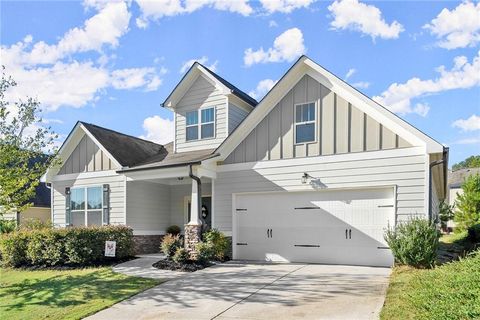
[[350, 233], [346, 233]]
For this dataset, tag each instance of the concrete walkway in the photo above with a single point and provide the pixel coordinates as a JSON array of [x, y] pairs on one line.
[[142, 267], [237, 290]]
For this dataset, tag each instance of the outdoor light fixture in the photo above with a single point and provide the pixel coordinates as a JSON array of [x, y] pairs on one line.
[[305, 177], [180, 178]]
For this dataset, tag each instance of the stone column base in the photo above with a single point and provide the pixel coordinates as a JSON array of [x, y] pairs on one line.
[[193, 235]]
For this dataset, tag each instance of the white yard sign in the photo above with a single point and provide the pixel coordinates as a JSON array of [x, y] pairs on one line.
[[110, 247]]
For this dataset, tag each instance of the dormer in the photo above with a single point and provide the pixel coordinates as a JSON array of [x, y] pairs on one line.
[[206, 108]]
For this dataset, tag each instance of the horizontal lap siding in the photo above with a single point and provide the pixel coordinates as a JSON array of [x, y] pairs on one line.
[[117, 197], [148, 206], [406, 172], [202, 94]]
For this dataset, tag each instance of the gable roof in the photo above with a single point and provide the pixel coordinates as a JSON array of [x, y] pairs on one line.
[[195, 70], [305, 66], [126, 149], [457, 177]]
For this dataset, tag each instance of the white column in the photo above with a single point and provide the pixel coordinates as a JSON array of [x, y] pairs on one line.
[[194, 214]]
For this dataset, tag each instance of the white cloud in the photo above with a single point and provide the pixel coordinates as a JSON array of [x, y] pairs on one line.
[[470, 124], [203, 60], [463, 75], [284, 6], [421, 109], [262, 88], [468, 141], [350, 73], [458, 28], [367, 19], [272, 24], [135, 78], [361, 85], [287, 47], [154, 10], [158, 129]]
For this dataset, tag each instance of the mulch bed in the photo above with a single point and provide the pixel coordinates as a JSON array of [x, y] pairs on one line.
[[189, 266]]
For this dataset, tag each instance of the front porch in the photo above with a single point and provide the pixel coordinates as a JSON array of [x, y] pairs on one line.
[[157, 199]]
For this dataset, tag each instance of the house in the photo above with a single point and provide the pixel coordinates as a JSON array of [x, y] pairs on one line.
[[455, 181], [314, 172], [40, 209]]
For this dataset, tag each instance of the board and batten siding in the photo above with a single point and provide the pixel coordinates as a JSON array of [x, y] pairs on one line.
[[117, 196], [235, 116], [148, 207], [403, 168], [340, 128], [86, 157], [202, 94]]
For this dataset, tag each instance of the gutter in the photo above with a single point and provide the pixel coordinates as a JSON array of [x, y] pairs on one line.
[[199, 190], [443, 161]]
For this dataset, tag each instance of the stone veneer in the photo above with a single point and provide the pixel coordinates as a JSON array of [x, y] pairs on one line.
[[193, 235], [147, 244]]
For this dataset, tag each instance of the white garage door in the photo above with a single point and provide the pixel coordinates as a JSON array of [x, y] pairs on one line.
[[333, 227]]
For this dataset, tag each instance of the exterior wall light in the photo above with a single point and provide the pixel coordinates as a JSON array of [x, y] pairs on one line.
[[305, 177]]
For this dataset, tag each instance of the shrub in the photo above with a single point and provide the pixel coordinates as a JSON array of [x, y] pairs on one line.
[[414, 243], [218, 242], [170, 244], [174, 230], [474, 233], [80, 246], [181, 256], [205, 252], [467, 205], [35, 224], [7, 226]]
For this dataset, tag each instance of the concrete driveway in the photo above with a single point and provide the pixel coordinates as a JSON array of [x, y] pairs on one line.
[[238, 290]]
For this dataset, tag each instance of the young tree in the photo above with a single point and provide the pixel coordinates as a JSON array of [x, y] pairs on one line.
[[445, 213], [26, 149], [467, 205], [470, 162]]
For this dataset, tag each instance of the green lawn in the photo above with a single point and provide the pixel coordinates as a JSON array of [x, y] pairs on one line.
[[66, 294], [449, 291]]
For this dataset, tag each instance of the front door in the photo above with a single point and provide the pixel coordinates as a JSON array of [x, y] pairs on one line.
[[206, 214]]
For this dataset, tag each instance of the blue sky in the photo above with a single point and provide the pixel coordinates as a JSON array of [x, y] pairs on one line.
[[113, 63]]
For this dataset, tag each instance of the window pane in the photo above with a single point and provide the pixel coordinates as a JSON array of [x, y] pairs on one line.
[[94, 198], [207, 115], [192, 117], [78, 218], [311, 112], [192, 133], [305, 133], [77, 199], [94, 218], [298, 113], [207, 130], [304, 112]]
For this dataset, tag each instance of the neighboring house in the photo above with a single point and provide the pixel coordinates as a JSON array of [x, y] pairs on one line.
[[314, 172], [455, 181], [40, 209]]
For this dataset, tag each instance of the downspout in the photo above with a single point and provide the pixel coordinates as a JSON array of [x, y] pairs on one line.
[[199, 189], [443, 161]]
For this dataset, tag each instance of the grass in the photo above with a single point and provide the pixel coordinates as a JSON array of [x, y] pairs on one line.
[[449, 291], [64, 294]]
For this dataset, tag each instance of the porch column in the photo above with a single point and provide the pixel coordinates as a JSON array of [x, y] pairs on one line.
[[193, 229]]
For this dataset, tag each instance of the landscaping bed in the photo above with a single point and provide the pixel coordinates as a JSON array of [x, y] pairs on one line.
[[187, 266], [64, 294]]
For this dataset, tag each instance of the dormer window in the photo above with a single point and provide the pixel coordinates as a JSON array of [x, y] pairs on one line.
[[205, 129]]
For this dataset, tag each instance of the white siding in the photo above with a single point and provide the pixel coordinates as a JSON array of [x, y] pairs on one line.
[[235, 116], [117, 196], [202, 94], [404, 168], [148, 207]]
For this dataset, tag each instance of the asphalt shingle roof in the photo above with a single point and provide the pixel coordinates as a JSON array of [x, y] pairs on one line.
[[456, 178]]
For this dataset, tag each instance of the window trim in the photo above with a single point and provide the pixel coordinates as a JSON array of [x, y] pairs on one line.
[[295, 123], [200, 123], [85, 195]]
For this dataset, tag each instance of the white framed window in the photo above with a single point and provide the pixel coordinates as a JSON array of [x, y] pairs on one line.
[[203, 129], [86, 205], [305, 123]]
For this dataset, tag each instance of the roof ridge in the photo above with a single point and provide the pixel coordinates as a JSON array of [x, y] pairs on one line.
[[123, 134]]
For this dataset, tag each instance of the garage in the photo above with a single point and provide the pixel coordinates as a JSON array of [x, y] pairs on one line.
[[328, 226]]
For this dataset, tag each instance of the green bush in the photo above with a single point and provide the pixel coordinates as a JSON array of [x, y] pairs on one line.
[[205, 251], [467, 205], [181, 256], [474, 233], [414, 243], [80, 246], [170, 244], [174, 230], [7, 226], [218, 242], [35, 224]]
